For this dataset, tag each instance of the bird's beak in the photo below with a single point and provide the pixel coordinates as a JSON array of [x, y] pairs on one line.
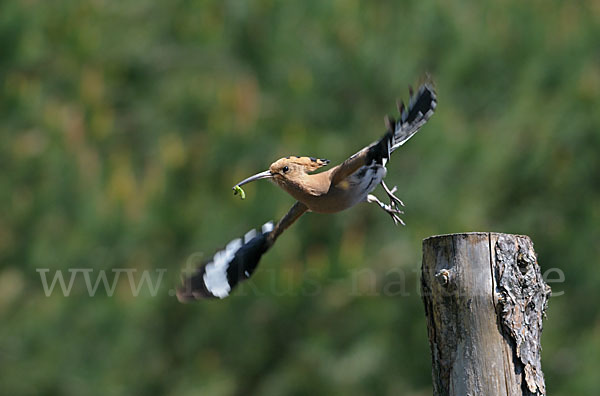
[[262, 175]]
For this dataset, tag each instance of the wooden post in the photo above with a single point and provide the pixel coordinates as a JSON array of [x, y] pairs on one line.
[[484, 299]]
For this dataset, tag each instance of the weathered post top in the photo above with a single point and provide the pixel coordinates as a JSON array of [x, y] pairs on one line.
[[484, 299]]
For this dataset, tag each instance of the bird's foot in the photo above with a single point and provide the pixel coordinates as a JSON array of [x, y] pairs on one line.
[[391, 209], [394, 200], [394, 215]]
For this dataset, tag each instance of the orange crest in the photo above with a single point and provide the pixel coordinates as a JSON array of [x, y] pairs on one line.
[[307, 164]]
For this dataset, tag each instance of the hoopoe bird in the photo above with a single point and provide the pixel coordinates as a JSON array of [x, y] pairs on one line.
[[330, 191]]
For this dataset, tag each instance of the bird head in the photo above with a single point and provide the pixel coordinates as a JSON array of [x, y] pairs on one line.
[[288, 170]]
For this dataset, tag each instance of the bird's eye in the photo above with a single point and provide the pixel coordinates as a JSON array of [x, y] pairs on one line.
[[285, 169]]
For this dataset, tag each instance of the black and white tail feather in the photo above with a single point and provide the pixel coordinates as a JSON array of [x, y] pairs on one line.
[[235, 263]]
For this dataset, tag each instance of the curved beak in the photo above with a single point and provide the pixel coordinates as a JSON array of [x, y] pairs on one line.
[[262, 175]]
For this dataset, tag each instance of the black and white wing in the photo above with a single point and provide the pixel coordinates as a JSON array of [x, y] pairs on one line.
[[217, 277], [235, 263], [421, 107], [412, 117]]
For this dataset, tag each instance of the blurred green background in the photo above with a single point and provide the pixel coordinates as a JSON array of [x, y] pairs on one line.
[[124, 125]]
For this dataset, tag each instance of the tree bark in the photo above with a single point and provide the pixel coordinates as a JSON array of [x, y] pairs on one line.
[[484, 299]]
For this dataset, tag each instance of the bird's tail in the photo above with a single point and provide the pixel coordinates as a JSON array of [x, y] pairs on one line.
[[218, 276]]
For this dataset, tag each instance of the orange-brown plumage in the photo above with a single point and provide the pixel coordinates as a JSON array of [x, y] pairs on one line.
[[330, 191]]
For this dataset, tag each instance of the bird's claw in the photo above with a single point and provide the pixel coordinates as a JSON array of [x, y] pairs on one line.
[[390, 209], [394, 214], [394, 200]]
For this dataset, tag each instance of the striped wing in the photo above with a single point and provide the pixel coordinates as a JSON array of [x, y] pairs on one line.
[[420, 109], [237, 262], [412, 117]]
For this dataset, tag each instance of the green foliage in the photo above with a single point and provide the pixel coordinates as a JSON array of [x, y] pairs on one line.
[[125, 124]]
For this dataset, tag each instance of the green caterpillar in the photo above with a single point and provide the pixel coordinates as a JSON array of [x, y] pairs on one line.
[[238, 189]]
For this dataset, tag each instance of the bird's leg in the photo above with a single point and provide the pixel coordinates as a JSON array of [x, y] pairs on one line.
[[394, 200], [392, 211]]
